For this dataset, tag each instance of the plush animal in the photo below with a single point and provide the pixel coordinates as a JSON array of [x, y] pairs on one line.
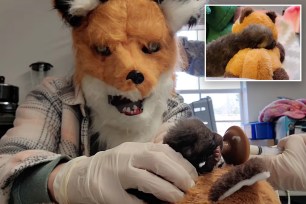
[[247, 34], [244, 183], [219, 52], [259, 63], [228, 184]]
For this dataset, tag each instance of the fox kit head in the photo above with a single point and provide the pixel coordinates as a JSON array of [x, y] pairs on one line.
[[125, 52]]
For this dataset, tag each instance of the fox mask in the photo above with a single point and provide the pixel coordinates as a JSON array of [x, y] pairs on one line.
[[125, 54]]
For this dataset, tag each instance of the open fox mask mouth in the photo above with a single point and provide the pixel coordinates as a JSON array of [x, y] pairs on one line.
[[125, 105]]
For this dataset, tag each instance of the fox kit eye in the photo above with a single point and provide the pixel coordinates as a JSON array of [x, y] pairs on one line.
[[103, 50], [151, 48]]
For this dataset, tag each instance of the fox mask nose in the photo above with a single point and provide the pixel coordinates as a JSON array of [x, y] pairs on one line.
[[136, 77]]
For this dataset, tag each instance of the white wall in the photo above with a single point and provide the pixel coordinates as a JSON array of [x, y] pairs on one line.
[[260, 94], [31, 31]]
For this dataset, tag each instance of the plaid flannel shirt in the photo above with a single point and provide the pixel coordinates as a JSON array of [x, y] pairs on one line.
[[52, 123]]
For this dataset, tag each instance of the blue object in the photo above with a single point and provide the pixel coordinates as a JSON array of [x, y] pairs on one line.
[[264, 130], [261, 130], [195, 54]]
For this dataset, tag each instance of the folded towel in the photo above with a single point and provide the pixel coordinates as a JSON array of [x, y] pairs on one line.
[[295, 109]]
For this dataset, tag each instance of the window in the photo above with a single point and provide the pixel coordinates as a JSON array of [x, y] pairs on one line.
[[196, 33], [226, 96]]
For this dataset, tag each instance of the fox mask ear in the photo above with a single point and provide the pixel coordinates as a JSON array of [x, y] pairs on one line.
[[177, 12], [182, 12], [73, 11]]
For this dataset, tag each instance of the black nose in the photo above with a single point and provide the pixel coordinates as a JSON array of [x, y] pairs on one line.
[[136, 76]]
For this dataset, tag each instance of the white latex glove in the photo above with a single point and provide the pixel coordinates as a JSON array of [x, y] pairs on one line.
[[104, 177], [288, 169]]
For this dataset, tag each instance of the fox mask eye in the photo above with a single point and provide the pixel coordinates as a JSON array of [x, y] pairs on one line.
[[151, 48], [103, 50]]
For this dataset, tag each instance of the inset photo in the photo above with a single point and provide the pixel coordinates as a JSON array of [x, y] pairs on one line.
[[253, 42]]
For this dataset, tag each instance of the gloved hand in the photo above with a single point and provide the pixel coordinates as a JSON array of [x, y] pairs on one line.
[[288, 169], [104, 177]]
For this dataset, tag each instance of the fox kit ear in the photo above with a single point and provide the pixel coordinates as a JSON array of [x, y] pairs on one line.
[[73, 11], [245, 12], [272, 15], [181, 12]]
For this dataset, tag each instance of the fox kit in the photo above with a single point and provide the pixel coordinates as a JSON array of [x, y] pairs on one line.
[[125, 53]]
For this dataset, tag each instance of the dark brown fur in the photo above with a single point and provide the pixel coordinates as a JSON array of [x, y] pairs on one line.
[[195, 142], [245, 12], [220, 51], [280, 74], [281, 51], [272, 15], [238, 173]]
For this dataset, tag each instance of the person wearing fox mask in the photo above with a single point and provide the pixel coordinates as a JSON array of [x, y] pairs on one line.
[[88, 139]]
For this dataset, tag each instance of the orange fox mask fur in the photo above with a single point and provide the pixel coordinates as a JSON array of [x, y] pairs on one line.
[[125, 53]]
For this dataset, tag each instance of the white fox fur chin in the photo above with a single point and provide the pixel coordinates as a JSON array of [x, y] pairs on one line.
[[114, 127]]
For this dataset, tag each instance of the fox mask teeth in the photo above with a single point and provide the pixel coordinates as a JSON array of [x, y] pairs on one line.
[[125, 105]]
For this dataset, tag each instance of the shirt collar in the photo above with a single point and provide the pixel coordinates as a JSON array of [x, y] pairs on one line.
[[72, 95]]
